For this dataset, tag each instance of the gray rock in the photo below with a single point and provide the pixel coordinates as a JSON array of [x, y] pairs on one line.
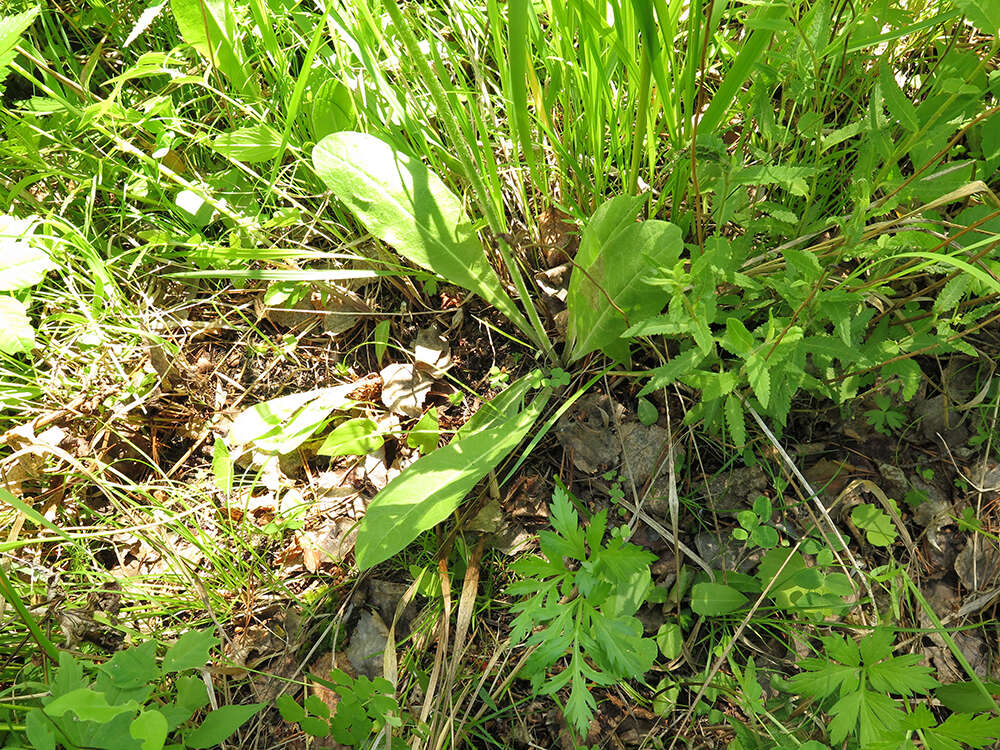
[[368, 644]]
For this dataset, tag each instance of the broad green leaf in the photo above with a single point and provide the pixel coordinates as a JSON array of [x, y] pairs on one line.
[[355, 437], [288, 707], [22, 262], [150, 728], [670, 639], [190, 651], [985, 14], [901, 108], [11, 28], [192, 694], [132, 667], [647, 412], [252, 144], [220, 724], [38, 730], [715, 599], [332, 109], [282, 424], [17, 336], [425, 433], [430, 489], [211, 27], [88, 705], [611, 284], [610, 218], [222, 466], [381, 339], [407, 206], [966, 697], [737, 338]]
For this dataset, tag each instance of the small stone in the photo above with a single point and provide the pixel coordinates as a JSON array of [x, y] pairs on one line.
[[368, 643]]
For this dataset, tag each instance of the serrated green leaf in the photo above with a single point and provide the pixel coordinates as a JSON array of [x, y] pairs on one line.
[[407, 206], [735, 420], [974, 731], [951, 294], [679, 366], [11, 28], [793, 179], [909, 374], [901, 108], [760, 380], [878, 527]]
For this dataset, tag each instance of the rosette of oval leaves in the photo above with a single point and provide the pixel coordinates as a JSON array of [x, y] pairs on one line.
[[403, 203]]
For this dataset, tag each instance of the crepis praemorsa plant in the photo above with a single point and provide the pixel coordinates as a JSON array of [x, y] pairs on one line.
[[740, 330]]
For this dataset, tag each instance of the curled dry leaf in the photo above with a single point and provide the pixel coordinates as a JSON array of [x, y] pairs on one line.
[[978, 565], [432, 351], [404, 389], [587, 433], [341, 310], [558, 235], [29, 464]]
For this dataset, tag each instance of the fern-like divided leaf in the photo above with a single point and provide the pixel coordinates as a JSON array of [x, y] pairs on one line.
[[586, 613]]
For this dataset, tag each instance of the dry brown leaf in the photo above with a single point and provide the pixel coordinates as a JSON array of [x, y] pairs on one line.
[[978, 565], [558, 235], [342, 308], [432, 351], [404, 389], [587, 433], [28, 465]]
